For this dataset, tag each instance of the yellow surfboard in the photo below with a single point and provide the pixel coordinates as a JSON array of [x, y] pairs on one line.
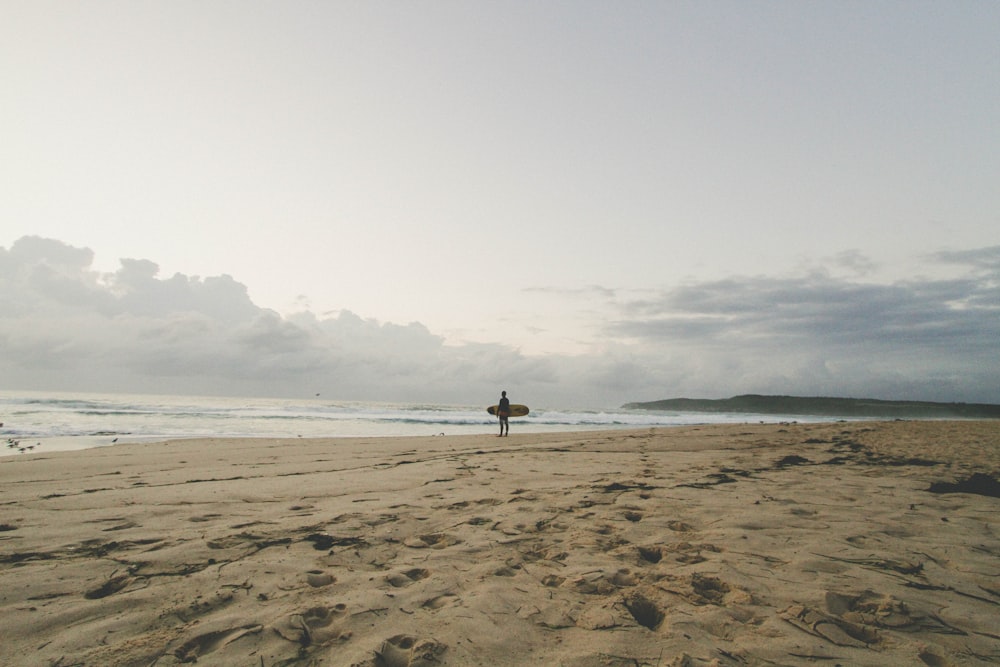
[[515, 410]]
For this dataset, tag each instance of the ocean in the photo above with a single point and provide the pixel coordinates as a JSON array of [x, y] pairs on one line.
[[38, 422]]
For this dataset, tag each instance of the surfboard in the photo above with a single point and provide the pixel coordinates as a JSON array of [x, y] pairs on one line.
[[515, 410]]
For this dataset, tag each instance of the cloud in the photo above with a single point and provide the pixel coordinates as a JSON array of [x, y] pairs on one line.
[[587, 291], [854, 261], [934, 339], [825, 312], [67, 327], [64, 326], [983, 259]]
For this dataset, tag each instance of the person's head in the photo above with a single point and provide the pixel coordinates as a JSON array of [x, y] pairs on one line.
[[503, 393]]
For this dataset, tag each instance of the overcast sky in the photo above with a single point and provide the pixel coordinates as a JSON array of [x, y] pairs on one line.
[[585, 203]]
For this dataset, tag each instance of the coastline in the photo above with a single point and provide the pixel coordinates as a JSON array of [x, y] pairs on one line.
[[47, 422], [691, 545]]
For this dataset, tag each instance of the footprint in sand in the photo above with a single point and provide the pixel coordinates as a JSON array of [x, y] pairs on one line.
[[318, 578], [932, 659], [605, 583], [596, 585], [228, 542], [709, 589], [553, 580], [109, 587], [690, 558], [313, 626], [535, 553], [691, 554], [403, 579], [645, 611], [433, 541], [208, 642], [381, 519], [885, 611], [479, 521], [409, 651], [652, 554], [440, 601], [202, 606], [831, 628], [321, 617], [623, 578]]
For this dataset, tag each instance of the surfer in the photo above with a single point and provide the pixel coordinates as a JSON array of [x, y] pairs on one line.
[[503, 412]]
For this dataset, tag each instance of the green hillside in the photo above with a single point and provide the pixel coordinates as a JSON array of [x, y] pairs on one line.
[[834, 407]]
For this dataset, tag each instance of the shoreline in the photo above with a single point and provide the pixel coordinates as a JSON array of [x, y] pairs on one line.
[[797, 543], [76, 443], [51, 422]]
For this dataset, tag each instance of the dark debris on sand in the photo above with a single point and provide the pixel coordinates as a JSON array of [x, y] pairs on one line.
[[979, 484]]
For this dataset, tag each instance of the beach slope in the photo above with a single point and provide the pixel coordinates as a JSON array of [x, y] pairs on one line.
[[855, 543]]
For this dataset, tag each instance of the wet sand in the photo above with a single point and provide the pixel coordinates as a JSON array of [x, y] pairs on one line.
[[853, 543]]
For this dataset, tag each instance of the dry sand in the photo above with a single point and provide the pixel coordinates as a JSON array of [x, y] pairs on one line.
[[791, 544]]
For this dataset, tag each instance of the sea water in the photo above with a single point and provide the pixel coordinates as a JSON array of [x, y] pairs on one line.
[[62, 421]]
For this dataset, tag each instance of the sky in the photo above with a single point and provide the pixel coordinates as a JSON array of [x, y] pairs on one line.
[[583, 203]]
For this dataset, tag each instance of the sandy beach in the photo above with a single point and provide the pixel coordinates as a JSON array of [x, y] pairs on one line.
[[852, 543]]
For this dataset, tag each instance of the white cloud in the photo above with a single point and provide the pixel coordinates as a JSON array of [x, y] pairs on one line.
[[64, 326]]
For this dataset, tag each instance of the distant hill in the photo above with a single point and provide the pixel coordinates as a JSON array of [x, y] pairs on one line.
[[833, 407]]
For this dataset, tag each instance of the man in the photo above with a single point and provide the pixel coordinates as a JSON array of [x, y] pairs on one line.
[[503, 412]]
